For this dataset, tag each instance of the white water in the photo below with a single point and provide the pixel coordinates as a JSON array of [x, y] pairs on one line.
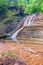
[[27, 22]]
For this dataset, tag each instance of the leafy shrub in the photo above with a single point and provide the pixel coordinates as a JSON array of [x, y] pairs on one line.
[[8, 54], [10, 14]]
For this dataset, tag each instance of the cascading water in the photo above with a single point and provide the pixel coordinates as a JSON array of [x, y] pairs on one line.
[[15, 34], [13, 37], [27, 22]]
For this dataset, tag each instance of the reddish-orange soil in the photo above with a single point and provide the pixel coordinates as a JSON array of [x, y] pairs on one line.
[[33, 57]]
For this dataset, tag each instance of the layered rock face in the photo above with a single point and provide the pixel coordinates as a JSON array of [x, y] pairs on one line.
[[35, 30]]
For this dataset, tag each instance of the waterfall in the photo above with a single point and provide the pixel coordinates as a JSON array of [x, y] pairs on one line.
[[15, 34], [13, 37], [27, 22]]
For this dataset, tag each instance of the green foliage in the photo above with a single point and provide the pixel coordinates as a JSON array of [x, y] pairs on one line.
[[9, 14], [8, 54], [41, 7], [5, 22], [29, 5]]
